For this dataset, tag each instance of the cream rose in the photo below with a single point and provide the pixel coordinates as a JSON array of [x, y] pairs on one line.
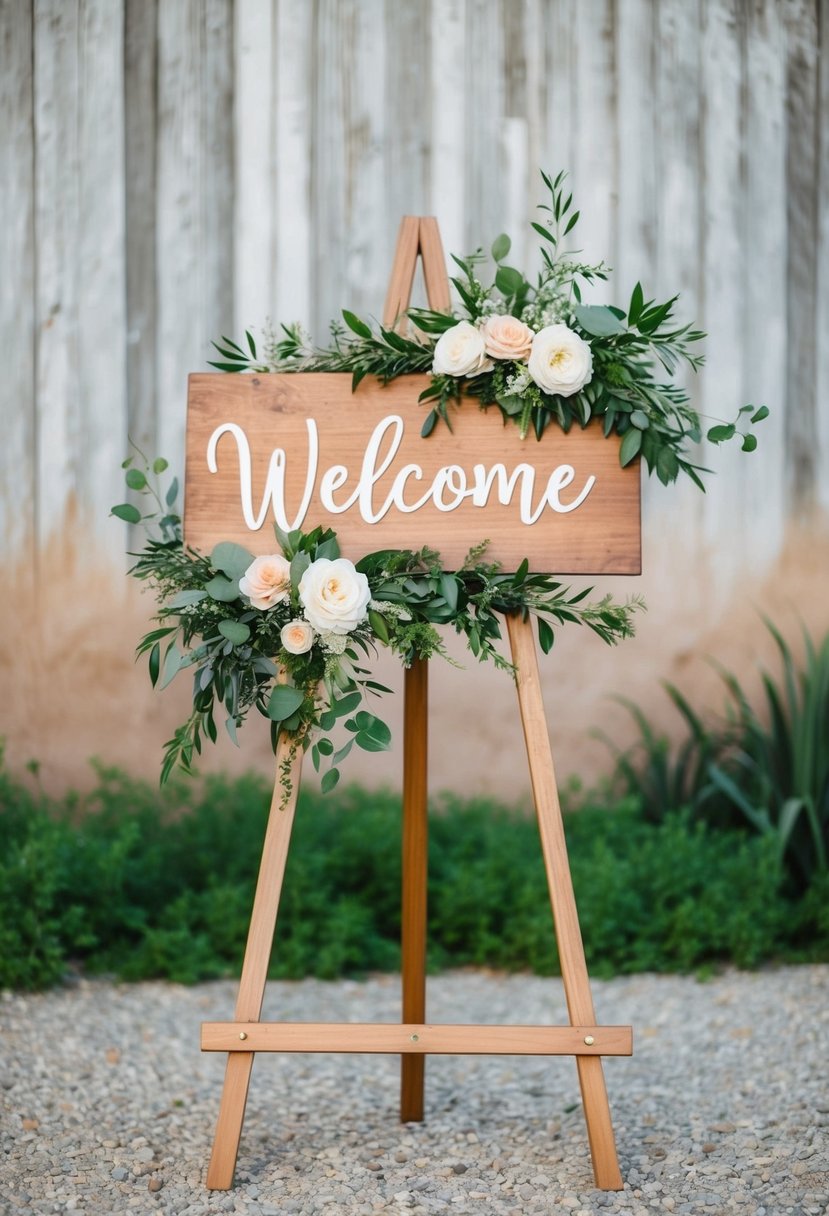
[[267, 581], [507, 338], [297, 637], [560, 361], [460, 351], [334, 595]]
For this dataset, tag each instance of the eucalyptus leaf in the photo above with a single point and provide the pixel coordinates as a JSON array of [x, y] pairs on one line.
[[284, 701], [127, 512], [231, 559], [501, 247], [598, 320], [185, 598], [135, 479], [235, 631], [222, 589]]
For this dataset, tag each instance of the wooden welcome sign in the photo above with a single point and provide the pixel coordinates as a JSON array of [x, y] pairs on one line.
[[300, 450]]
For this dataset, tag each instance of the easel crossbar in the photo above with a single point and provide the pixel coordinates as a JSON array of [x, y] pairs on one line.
[[416, 1038]]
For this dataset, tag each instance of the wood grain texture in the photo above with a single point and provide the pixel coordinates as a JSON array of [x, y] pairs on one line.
[[601, 536], [18, 483], [415, 842], [562, 899], [251, 993], [416, 1039]]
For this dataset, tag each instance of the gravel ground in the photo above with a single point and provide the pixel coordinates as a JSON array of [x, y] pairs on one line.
[[108, 1106]]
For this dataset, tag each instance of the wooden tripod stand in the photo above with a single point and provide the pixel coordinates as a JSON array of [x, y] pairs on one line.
[[413, 1038]]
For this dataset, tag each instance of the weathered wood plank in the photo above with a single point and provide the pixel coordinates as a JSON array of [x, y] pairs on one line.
[[679, 227], [349, 58], [140, 20], [18, 496], [293, 133], [57, 222], [193, 203], [101, 269], [822, 290], [802, 219], [594, 153], [255, 164], [447, 82], [722, 255], [763, 146], [483, 116], [635, 130]]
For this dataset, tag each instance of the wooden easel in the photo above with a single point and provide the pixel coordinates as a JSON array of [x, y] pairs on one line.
[[413, 1038]]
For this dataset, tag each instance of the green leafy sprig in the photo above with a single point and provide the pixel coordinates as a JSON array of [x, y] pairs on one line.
[[236, 657], [636, 353]]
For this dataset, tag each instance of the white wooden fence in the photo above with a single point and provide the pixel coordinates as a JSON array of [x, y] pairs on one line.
[[171, 170]]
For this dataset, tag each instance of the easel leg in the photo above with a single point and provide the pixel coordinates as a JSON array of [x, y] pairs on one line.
[[562, 898], [413, 913], [255, 965]]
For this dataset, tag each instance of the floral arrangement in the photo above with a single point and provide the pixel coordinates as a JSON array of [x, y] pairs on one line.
[[306, 612], [289, 633], [535, 351]]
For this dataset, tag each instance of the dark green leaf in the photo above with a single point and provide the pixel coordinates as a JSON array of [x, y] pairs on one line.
[[637, 301], [329, 780], [356, 325], [544, 231], [155, 663], [546, 637], [326, 747], [378, 626], [127, 512], [135, 479], [719, 434], [749, 443], [508, 281], [630, 446], [762, 413]]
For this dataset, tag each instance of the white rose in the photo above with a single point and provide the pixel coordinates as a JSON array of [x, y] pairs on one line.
[[267, 581], [297, 637], [460, 351], [560, 361], [507, 338], [334, 595]]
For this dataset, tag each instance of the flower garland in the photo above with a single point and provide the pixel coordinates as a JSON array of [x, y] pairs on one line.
[[237, 621], [535, 351]]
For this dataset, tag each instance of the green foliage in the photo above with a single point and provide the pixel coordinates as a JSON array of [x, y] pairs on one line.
[[143, 883], [635, 354], [764, 770], [233, 649]]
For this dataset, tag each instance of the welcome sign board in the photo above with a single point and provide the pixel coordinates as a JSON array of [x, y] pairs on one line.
[[300, 450]]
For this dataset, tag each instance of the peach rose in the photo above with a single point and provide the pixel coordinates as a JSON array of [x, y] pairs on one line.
[[297, 637], [267, 581], [507, 338]]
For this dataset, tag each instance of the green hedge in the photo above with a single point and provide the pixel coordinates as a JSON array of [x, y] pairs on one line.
[[140, 883]]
